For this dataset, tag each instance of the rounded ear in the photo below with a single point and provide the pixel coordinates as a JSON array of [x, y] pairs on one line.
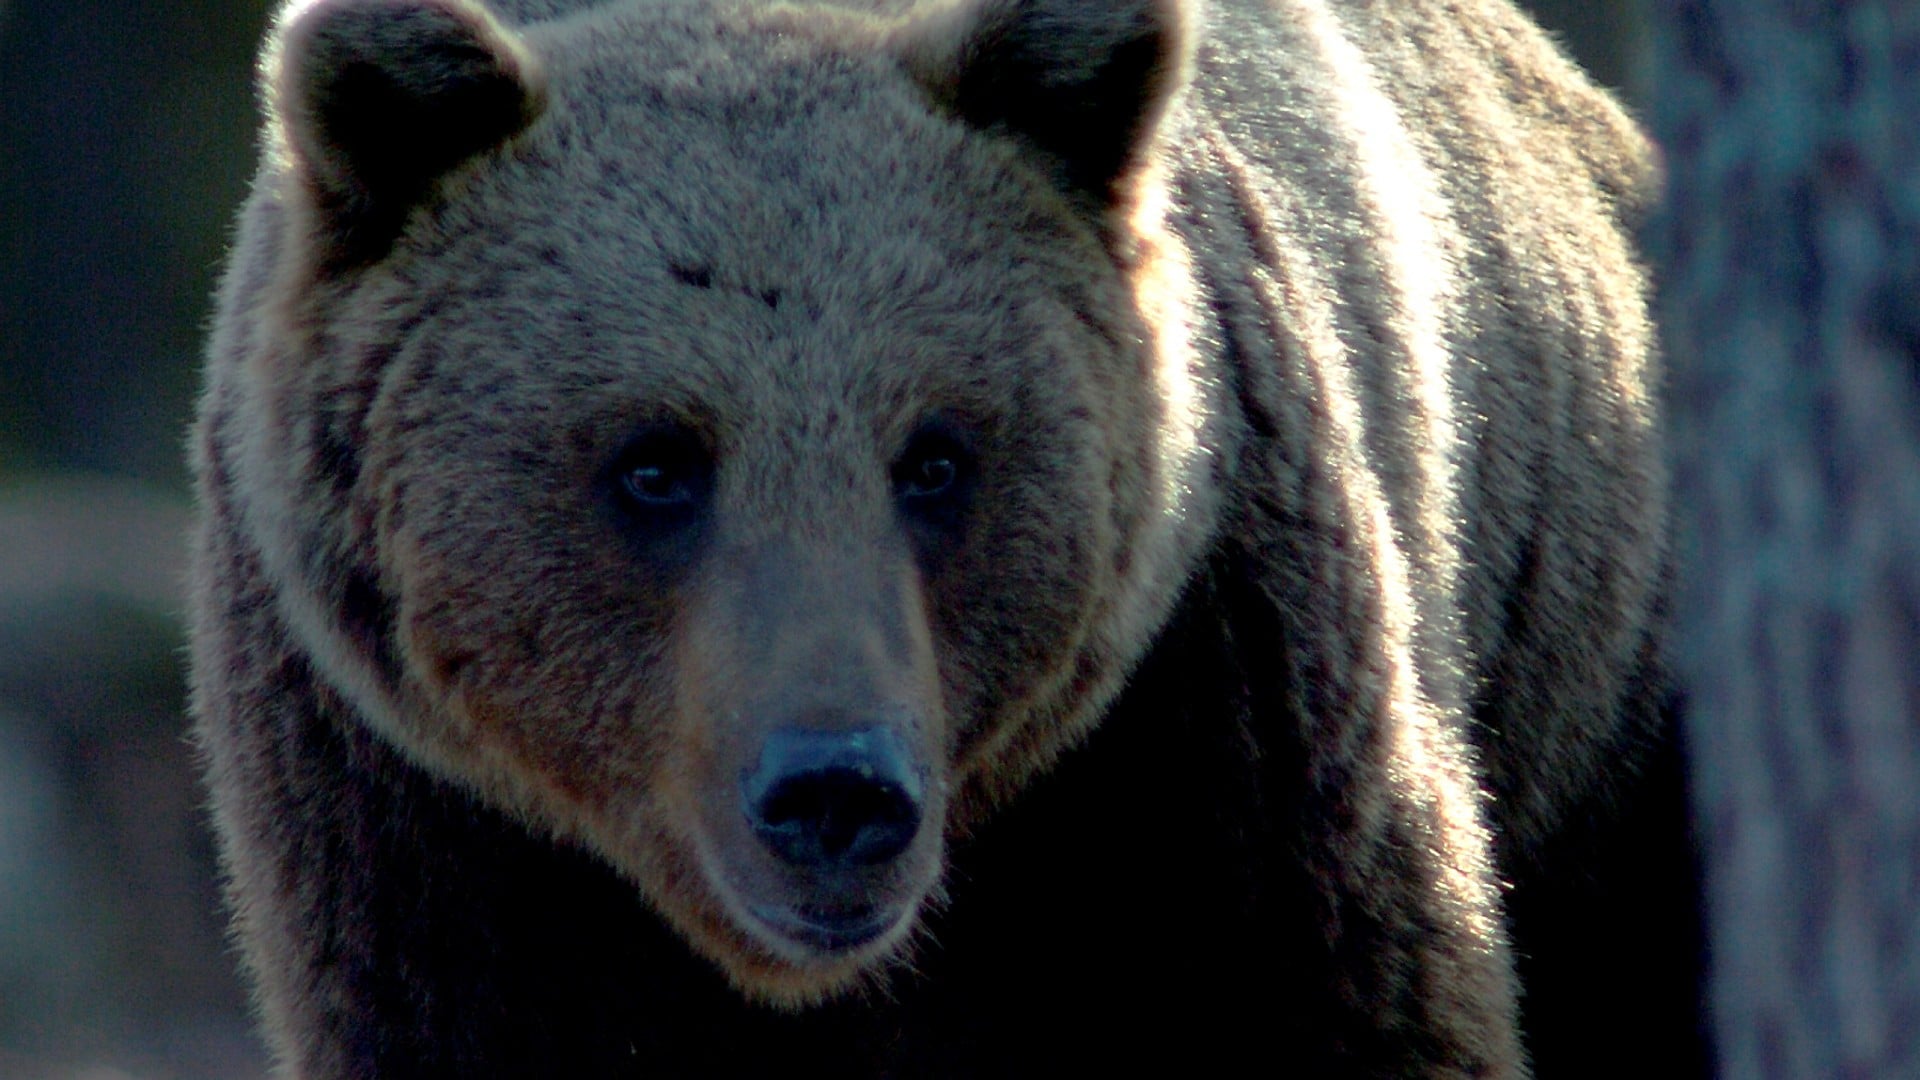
[[376, 99], [1084, 82]]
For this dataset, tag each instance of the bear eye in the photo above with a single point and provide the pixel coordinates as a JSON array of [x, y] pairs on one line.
[[925, 475], [663, 471], [658, 485], [934, 475]]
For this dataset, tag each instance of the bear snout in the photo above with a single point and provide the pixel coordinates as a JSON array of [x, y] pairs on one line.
[[833, 801]]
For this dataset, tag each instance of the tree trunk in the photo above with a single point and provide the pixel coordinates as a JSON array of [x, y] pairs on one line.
[[1791, 251]]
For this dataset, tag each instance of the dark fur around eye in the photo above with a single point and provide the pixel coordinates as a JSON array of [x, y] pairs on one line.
[[934, 477], [663, 477]]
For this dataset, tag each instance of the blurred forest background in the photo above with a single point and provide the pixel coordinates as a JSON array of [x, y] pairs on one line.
[[126, 131]]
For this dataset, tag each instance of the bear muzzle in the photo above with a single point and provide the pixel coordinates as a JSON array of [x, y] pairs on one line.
[[816, 753]]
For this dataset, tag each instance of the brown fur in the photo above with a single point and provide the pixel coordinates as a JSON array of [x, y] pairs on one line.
[[1333, 293]]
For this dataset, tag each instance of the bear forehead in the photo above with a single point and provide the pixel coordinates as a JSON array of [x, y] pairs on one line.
[[717, 114], [705, 122], [705, 196], [746, 288], [695, 53]]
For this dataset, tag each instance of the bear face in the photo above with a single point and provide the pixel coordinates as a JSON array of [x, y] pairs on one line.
[[768, 540]]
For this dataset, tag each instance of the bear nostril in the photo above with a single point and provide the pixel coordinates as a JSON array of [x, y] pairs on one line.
[[832, 800], [836, 817]]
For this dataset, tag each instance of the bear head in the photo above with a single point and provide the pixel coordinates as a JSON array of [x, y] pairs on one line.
[[747, 442]]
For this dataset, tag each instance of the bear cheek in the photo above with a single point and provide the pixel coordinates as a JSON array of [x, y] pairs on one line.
[[1013, 610], [562, 722]]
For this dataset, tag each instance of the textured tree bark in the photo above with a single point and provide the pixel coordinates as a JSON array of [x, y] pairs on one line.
[[1791, 250]]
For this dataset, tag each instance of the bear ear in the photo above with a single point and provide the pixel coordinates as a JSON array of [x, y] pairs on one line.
[[1085, 82], [376, 99]]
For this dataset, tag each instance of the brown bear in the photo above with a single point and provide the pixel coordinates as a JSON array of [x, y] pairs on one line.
[[969, 539]]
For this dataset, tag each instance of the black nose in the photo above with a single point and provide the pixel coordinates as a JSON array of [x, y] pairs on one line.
[[830, 800]]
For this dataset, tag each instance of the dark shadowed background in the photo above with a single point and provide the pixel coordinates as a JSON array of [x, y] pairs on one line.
[[125, 145]]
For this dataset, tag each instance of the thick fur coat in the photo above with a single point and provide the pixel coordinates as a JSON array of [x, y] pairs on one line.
[[947, 540]]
